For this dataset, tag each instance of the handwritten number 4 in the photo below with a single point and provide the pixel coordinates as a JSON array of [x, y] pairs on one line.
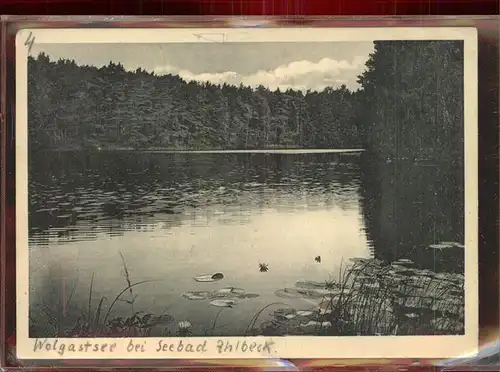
[[30, 41]]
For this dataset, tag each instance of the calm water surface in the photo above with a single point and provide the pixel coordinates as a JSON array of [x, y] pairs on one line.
[[175, 216]]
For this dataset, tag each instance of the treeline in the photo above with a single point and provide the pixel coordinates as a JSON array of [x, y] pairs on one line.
[[413, 100], [80, 106], [410, 105]]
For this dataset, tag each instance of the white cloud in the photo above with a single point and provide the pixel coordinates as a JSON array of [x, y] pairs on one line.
[[299, 75]]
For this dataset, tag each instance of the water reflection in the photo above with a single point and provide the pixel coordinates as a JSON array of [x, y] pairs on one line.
[[75, 196], [177, 216], [406, 206], [409, 206]]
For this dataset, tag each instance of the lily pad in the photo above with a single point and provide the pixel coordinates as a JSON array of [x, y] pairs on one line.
[[325, 292], [459, 277], [404, 261], [442, 246], [291, 293], [209, 277], [398, 267], [223, 303], [229, 291], [304, 313], [425, 273], [325, 311], [195, 295], [454, 244], [284, 314], [313, 323], [247, 296], [309, 284], [412, 315]]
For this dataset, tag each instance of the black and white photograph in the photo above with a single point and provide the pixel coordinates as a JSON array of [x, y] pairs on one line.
[[248, 184]]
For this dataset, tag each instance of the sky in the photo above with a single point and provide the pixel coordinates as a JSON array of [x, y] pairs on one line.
[[299, 66]]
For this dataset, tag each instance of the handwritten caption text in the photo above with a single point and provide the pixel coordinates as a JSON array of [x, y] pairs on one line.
[[131, 346]]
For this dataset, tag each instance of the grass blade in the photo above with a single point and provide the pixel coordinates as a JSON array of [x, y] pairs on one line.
[[90, 299], [122, 292]]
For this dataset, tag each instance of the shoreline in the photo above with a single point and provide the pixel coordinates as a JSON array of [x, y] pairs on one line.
[[206, 151]]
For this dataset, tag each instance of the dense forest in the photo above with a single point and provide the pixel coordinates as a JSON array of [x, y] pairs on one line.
[[73, 105], [410, 104]]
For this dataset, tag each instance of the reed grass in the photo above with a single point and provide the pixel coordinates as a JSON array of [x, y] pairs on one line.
[[89, 324], [376, 299], [367, 297]]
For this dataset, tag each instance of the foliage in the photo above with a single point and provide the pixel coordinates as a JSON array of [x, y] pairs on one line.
[[413, 99], [370, 298], [61, 319], [410, 106], [81, 106]]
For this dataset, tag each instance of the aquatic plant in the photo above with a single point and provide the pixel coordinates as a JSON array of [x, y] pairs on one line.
[[222, 293], [368, 297], [90, 323], [209, 277], [371, 298], [184, 328]]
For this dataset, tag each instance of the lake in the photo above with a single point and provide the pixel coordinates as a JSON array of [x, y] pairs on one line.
[[174, 216]]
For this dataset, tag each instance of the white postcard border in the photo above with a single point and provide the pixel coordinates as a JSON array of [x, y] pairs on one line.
[[280, 347]]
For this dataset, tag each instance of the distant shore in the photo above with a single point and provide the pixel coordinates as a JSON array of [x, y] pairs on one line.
[[201, 151]]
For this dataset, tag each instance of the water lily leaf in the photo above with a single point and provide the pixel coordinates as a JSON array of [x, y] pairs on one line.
[[454, 244], [325, 311], [404, 261], [442, 245], [326, 292], [403, 270], [425, 273], [398, 268], [209, 277], [229, 291], [412, 315], [444, 276], [313, 323], [223, 303], [247, 296], [291, 293], [304, 313], [309, 284], [202, 295], [287, 293]]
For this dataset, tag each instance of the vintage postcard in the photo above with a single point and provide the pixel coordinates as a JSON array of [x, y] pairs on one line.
[[246, 193]]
